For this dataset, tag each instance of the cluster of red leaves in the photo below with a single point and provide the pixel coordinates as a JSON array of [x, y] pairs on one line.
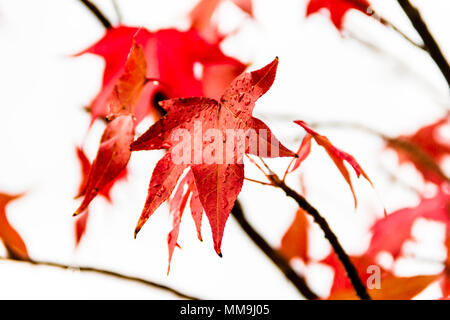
[[142, 68], [337, 9], [389, 233]]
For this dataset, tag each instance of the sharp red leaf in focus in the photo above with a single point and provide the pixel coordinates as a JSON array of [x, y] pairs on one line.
[[218, 175], [111, 160]]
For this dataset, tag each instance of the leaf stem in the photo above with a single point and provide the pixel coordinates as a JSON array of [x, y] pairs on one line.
[[104, 272], [298, 281], [430, 43], [97, 13]]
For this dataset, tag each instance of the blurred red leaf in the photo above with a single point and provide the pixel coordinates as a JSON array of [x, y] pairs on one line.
[[391, 288], [171, 57], [294, 243], [201, 17], [428, 152], [218, 183], [445, 282], [341, 282], [11, 239], [389, 233], [337, 9]]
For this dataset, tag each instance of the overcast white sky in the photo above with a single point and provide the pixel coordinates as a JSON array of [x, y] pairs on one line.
[[322, 76]]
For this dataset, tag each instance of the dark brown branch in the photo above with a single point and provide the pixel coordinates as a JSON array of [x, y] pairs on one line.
[[298, 281], [106, 273], [352, 273], [430, 43], [96, 11]]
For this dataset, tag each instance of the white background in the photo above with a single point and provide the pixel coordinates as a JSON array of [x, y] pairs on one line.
[[322, 75]]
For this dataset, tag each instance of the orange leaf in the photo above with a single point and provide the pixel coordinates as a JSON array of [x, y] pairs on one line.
[[338, 157], [294, 243], [392, 288], [13, 242]]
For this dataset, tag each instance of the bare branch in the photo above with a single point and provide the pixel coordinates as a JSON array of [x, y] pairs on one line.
[[106, 273], [298, 281], [96, 12], [430, 43]]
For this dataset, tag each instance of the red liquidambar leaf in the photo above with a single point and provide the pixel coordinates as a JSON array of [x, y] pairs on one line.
[[337, 9], [8, 235], [432, 149], [303, 151], [217, 179], [187, 188], [177, 205], [294, 243], [391, 232], [129, 86], [80, 227], [197, 212], [85, 168], [85, 165], [338, 157], [171, 57], [111, 160], [114, 48]]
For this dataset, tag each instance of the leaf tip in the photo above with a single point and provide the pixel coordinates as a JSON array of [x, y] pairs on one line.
[[136, 231]]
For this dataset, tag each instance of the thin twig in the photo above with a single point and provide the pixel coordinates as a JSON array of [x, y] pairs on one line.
[[104, 272], [400, 32], [297, 280], [259, 182], [430, 43], [96, 11], [117, 10], [352, 273]]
